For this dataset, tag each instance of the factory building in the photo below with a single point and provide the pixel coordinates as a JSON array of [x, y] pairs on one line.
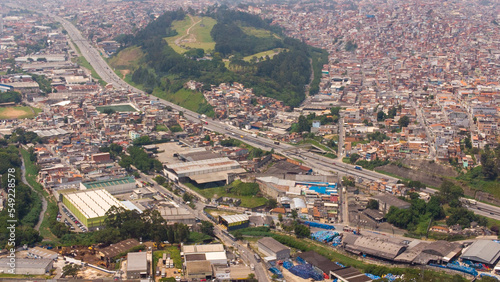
[[27, 266], [114, 186], [137, 265], [203, 171], [90, 206], [482, 251], [233, 222], [214, 253], [273, 249], [41, 253]]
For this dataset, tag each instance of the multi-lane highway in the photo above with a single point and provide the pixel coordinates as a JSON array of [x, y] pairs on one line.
[[318, 163]]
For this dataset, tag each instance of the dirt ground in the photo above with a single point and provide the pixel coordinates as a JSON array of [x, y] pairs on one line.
[[124, 73], [10, 113], [92, 273], [426, 172]]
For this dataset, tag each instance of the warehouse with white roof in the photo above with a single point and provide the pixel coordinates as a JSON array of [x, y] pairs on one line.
[[90, 206]]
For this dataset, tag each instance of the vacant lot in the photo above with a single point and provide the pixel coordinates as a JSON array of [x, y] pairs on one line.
[[262, 55], [431, 174], [18, 112], [192, 32], [127, 60]]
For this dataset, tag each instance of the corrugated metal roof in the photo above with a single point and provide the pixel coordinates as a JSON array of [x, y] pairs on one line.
[[235, 218], [484, 251]]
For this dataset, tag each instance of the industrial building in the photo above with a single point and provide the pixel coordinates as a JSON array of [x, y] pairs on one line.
[[27, 266], [114, 186], [203, 171], [372, 246], [137, 265], [199, 270], [213, 253], [115, 249], [318, 261], [41, 253], [482, 251], [90, 206], [348, 274], [273, 249], [385, 201], [425, 253], [233, 273], [233, 222], [174, 214]]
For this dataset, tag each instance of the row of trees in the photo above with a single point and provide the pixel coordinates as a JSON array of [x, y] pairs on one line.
[[140, 159], [149, 225], [10, 96]]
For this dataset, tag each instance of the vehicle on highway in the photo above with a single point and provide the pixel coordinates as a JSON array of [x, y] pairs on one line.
[[257, 257], [358, 167], [276, 142]]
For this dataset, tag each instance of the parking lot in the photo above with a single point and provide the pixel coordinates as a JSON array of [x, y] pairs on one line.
[[66, 217]]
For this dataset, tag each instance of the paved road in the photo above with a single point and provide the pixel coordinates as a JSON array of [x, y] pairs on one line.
[[44, 201], [246, 254], [318, 163]]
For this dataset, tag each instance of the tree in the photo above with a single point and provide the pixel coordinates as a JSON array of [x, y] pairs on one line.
[[109, 111], [280, 217], [372, 204], [272, 203], [353, 158], [381, 116], [294, 214], [251, 278], [303, 124], [187, 197], [404, 121], [450, 191], [71, 270], [160, 179], [301, 231], [207, 228]]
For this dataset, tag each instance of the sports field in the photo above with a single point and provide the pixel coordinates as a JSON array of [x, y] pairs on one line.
[[117, 108], [18, 112]]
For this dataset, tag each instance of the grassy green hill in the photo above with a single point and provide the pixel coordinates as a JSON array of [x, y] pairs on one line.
[[164, 55]]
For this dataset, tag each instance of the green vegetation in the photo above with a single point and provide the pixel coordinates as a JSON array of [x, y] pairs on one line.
[[18, 112], [43, 82], [238, 190], [189, 99], [149, 225], [116, 108], [199, 34], [25, 207], [485, 177], [263, 54], [84, 63], [10, 96], [50, 228], [174, 253], [304, 123], [420, 215], [199, 238], [161, 127], [139, 158], [163, 71]]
